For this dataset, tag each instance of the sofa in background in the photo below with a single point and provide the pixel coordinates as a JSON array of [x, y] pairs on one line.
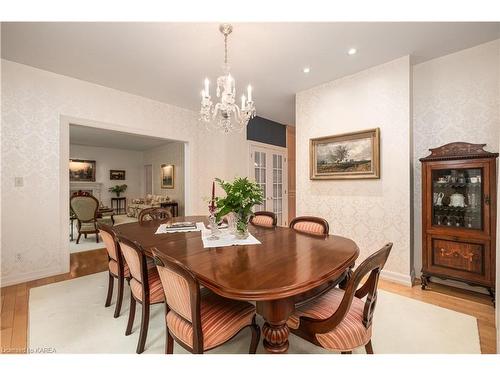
[[139, 204]]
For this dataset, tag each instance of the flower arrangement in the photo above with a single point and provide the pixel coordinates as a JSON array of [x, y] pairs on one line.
[[241, 196], [118, 189]]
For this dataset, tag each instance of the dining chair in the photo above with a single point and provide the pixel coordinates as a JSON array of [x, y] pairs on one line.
[[154, 213], [264, 219], [310, 225], [200, 320], [145, 287], [85, 207], [339, 319], [117, 267]]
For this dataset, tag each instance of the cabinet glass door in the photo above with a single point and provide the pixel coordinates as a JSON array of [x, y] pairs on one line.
[[457, 196]]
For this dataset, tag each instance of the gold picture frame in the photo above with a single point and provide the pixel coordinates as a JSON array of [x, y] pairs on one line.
[[167, 176], [346, 156]]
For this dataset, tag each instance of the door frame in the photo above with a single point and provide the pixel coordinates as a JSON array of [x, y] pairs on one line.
[[251, 172]]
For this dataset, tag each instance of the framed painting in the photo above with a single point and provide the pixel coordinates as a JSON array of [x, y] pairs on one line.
[[167, 176], [345, 156], [116, 174], [82, 170]]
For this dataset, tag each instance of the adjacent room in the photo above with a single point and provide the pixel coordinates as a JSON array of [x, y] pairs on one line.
[[250, 188]]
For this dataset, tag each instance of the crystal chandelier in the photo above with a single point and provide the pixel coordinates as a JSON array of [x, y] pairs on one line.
[[226, 115]]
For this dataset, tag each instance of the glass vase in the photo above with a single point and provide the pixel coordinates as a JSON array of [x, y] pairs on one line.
[[242, 226]]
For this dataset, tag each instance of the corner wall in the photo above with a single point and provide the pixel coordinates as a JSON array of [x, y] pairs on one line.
[[371, 212]]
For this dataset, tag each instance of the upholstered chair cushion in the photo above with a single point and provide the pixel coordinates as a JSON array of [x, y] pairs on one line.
[[84, 207], [349, 334], [110, 244], [176, 292], [155, 288], [309, 227], [262, 220], [133, 261], [113, 268], [221, 319]]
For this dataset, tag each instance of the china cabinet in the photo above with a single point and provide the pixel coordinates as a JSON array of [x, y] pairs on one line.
[[459, 214]]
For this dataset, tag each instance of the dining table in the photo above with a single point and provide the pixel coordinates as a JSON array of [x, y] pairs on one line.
[[286, 264]]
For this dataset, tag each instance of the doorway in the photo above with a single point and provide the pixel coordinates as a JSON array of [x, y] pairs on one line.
[[268, 168], [148, 179]]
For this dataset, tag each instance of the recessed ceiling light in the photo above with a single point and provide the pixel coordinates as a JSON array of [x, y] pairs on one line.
[[306, 69], [352, 51]]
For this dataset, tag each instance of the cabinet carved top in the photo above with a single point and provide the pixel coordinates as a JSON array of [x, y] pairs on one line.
[[459, 150]]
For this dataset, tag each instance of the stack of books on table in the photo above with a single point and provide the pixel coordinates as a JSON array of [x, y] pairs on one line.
[[185, 225]]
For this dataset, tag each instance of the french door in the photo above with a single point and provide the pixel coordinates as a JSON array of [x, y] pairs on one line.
[[268, 167]]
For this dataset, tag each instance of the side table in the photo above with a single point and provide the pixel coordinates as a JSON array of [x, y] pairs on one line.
[[174, 207], [119, 204]]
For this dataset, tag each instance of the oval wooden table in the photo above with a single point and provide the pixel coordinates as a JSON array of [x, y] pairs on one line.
[[284, 265]]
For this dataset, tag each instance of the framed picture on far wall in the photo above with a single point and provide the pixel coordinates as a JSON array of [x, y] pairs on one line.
[[115, 174], [167, 176], [82, 170], [346, 156]]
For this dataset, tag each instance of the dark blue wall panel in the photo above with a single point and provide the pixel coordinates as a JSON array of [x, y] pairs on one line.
[[263, 130]]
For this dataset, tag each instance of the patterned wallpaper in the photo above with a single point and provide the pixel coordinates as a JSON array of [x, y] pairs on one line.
[[34, 102], [371, 212], [455, 98]]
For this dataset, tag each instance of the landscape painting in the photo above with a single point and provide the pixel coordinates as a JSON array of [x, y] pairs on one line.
[[167, 176], [346, 156], [82, 170]]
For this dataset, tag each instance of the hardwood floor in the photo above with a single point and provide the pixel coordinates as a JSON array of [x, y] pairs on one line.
[[14, 302]]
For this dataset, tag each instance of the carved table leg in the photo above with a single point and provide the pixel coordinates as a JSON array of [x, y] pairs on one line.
[[424, 280], [275, 331]]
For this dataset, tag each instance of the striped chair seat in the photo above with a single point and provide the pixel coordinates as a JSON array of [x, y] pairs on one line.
[[155, 288], [349, 334], [113, 268], [221, 319]]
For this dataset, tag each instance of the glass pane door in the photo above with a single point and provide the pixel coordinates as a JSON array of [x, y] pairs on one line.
[[260, 176], [457, 197], [278, 187]]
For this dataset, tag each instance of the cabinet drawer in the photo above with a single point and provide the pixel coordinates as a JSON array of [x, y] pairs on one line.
[[462, 256]]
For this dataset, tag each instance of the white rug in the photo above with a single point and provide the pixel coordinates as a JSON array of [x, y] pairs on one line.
[[86, 244], [71, 318]]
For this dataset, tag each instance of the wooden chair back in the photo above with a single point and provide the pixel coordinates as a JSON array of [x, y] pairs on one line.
[[154, 213], [182, 293], [137, 263], [310, 225], [84, 207], [112, 246], [372, 265], [264, 219]]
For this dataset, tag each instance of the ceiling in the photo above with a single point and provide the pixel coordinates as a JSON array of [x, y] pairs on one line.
[[88, 136], [169, 61]]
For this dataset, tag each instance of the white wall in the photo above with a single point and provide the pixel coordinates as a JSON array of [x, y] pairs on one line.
[[37, 107], [371, 212], [455, 98], [112, 158], [171, 153]]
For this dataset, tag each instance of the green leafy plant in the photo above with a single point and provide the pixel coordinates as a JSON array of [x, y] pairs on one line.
[[241, 196], [118, 189]]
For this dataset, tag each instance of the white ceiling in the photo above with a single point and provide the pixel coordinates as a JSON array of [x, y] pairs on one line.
[[169, 61], [88, 136]]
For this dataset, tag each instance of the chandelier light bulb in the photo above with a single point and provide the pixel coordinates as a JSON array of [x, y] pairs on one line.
[[243, 99], [249, 92], [207, 82]]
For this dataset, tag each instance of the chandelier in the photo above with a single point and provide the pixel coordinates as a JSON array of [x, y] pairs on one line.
[[225, 115]]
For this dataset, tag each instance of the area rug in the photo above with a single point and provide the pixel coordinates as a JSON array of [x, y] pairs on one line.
[[86, 244], [70, 317]]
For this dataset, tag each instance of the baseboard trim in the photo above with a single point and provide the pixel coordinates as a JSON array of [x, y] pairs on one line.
[[399, 278], [25, 277]]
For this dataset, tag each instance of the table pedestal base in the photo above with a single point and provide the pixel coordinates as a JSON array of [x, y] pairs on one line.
[[275, 338], [275, 330]]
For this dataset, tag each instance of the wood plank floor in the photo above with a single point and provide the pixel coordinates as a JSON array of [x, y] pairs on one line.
[[14, 302]]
